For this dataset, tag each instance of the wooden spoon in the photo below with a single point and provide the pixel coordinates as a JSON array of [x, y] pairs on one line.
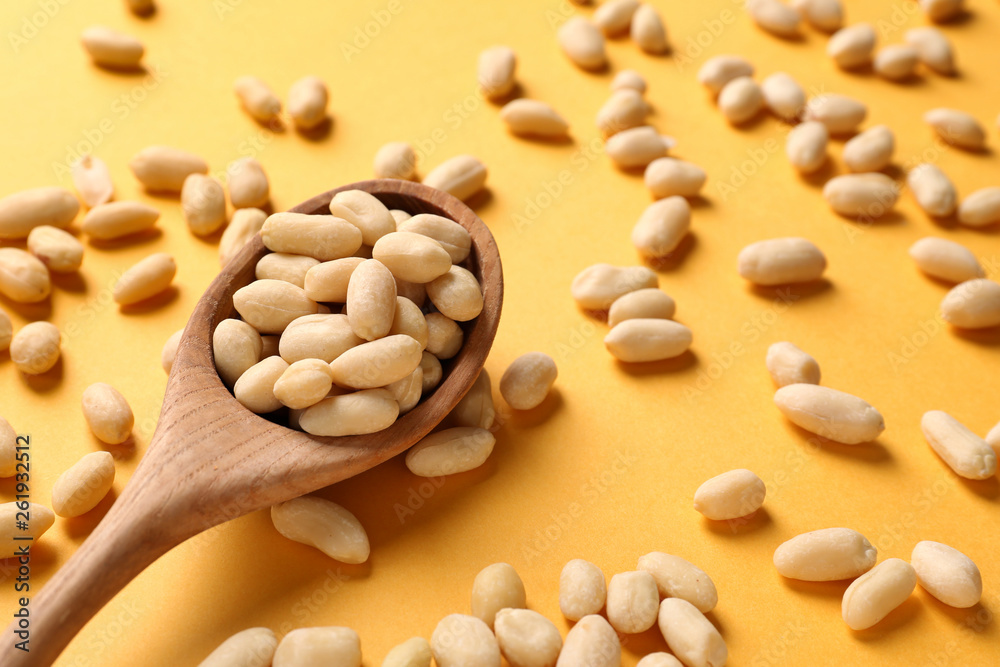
[[211, 459]]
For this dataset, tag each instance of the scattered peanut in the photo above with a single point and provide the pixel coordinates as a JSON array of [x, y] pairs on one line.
[[690, 635], [781, 261], [783, 96], [82, 486], [633, 601], [825, 555], [323, 524], [871, 150], [677, 578], [825, 15], [528, 380], [496, 587], [253, 647], [246, 223], [462, 176], [145, 279], [257, 98], [450, 451], [933, 49], [34, 349], [527, 639], [414, 652], [582, 43], [947, 574], [974, 304], [650, 303], [56, 248], [92, 180], [865, 196], [598, 286], [731, 495], [533, 118], [647, 30], [203, 202], [667, 176], [112, 49], [852, 47], [806, 146], [740, 100], [897, 61], [396, 159], [720, 70], [642, 340], [874, 594], [964, 451], [981, 208], [12, 540], [934, 191], [945, 260], [164, 169], [319, 646], [637, 147], [592, 642], [307, 100], [957, 128], [23, 211], [107, 413], [787, 364], [830, 413], [464, 641], [840, 114], [248, 184], [497, 67]]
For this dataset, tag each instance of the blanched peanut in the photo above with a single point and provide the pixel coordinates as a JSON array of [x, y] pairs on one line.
[[6, 330], [412, 257], [806, 146], [408, 319], [980, 208], [582, 590], [407, 391], [582, 43], [615, 16], [359, 413], [731, 495], [527, 639], [319, 336], [307, 100], [781, 261], [934, 191], [476, 407], [371, 300], [942, 10], [832, 414], [107, 413], [56, 248], [461, 176], [947, 574], [496, 68], [659, 660], [432, 370], [677, 578], [667, 176], [248, 184], [957, 128], [444, 336], [304, 383], [783, 96], [690, 635], [23, 277], [865, 196], [319, 646], [775, 17], [933, 48], [974, 304], [628, 78], [852, 46], [414, 652], [637, 147], [964, 451], [112, 49], [633, 601], [325, 525], [528, 380], [874, 594], [369, 214], [533, 118], [841, 114], [253, 647], [8, 449], [396, 159], [945, 260], [284, 266], [377, 363], [141, 7], [92, 180], [450, 451], [496, 587], [825, 15], [23, 211], [720, 70], [871, 150], [81, 487], [203, 202], [257, 98], [740, 100], [896, 61], [328, 281], [271, 305], [40, 519], [456, 294], [787, 364], [246, 223], [255, 387], [453, 237], [599, 285], [145, 279], [825, 555], [34, 349], [164, 169], [648, 31], [117, 219], [642, 340], [324, 237], [592, 642], [236, 347], [464, 641], [648, 303]]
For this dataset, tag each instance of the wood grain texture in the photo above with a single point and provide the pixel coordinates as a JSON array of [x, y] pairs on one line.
[[211, 459]]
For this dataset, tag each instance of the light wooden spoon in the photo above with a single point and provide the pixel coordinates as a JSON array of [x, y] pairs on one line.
[[211, 459]]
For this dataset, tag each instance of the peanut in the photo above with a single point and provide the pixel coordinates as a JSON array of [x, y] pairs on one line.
[[825, 555], [82, 486], [325, 525], [832, 414], [34, 349], [145, 279], [450, 452]]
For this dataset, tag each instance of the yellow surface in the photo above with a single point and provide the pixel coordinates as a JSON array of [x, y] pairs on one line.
[[606, 468]]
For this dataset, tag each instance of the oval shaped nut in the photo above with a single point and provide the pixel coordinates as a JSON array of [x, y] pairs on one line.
[[496, 69], [248, 184], [450, 452], [164, 169], [409, 319], [6, 331], [271, 305], [853, 46], [980, 208], [456, 294], [582, 590], [740, 100], [23, 211], [453, 237], [283, 266], [633, 601], [731, 495], [637, 147], [117, 219], [82, 486], [257, 98], [833, 414], [615, 16], [444, 336], [787, 365], [828, 554], [92, 180], [825, 15], [947, 574], [806, 146], [307, 101], [407, 391], [865, 196], [720, 70], [583, 43], [304, 383], [412, 257], [377, 363], [599, 285], [964, 451], [648, 31], [677, 578], [946, 260], [414, 652], [956, 128], [461, 176], [592, 642], [476, 407], [896, 61], [253, 647], [874, 594], [107, 413], [371, 300], [323, 524], [942, 10], [496, 587], [328, 281], [690, 635], [432, 371], [246, 223], [643, 340], [527, 639], [841, 114], [624, 110], [783, 96], [236, 346], [775, 17], [40, 519], [667, 177], [659, 660], [396, 159], [464, 641], [650, 303], [933, 49], [203, 202], [533, 118], [370, 215], [324, 237], [933, 190], [974, 304], [112, 49], [528, 380], [23, 277], [58, 250], [871, 150], [781, 261], [34, 349], [255, 387], [319, 646], [144, 279]]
